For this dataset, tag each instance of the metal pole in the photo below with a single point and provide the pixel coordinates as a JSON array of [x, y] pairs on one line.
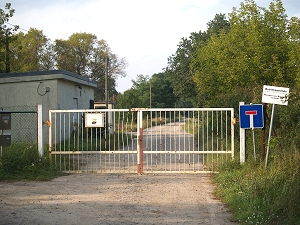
[[270, 133], [106, 94], [150, 94], [106, 81], [254, 152], [263, 131], [242, 142], [40, 130]]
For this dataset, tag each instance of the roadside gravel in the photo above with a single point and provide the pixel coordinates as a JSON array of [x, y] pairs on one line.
[[113, 199]]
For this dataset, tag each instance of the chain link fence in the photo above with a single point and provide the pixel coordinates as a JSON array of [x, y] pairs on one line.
[[23, 123]]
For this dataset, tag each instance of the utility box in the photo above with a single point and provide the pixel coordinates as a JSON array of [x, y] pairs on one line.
[[5, 140], [5, 120]]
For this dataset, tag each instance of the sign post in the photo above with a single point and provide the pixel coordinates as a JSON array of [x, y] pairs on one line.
[[274, 95], [251, 117]]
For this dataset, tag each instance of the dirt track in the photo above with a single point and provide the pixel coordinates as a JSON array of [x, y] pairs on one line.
[[113, 199]]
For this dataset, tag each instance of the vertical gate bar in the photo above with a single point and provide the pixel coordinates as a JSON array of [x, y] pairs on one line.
[[184, 125], [127, 139], [60, 159], [151, 135], [69, 139], [81, 143], [203, 136], [138, 140], [50, 136], [155, 142], [207, 135], [55, 136], [225, 135], [156, 156], [217, 125], [222, 143], [147, 140], [117, 143], [226, 131], [232, 133], [198, 144], [96, 148], [212, 137], [78, 135], [193, 139], [170, 144], [64, 138], [187, 141], [174, 140], [222, 140], [120, 137], [131, 129], [179, 141]]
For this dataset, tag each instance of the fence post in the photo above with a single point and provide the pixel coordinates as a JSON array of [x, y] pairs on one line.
[[140, 165], [242, 141], [140, 141], [40, 130]]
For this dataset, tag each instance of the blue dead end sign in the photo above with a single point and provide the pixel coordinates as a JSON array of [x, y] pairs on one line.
[[251, 116]]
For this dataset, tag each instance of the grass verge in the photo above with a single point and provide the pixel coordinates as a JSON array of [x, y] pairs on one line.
[[259, 195], [22, 161]]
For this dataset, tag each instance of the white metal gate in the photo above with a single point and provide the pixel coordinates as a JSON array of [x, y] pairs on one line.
[[142, 140]]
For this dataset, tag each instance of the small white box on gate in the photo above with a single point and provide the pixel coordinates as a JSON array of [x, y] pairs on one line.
[[94, 119]]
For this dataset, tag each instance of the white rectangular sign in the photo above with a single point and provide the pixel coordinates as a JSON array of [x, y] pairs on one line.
[[275, 95], [94, 120]]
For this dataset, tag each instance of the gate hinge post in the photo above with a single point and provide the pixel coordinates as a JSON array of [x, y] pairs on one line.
[[140, 164]]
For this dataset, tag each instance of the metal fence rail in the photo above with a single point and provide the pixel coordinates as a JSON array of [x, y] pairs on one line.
[[76, 148], [143, 140], [187, 140], [23, 124]]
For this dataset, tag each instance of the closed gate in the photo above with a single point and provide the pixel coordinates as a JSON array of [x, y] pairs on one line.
[[141, 140]]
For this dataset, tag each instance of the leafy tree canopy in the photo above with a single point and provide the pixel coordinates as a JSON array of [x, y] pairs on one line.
[[179, 65], [6, 32], [234, 65], [146, 92]]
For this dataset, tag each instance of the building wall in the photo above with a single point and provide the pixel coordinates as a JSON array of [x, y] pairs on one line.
[[74, 96], [27, 94], [62, 94]]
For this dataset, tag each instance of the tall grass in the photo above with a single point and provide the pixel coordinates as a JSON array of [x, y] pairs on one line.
[[22, 161], [259, 195]]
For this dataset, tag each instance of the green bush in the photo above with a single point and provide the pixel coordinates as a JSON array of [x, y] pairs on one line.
[[22, 161]]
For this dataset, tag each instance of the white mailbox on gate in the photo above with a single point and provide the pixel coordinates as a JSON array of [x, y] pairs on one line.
[[94, 119]]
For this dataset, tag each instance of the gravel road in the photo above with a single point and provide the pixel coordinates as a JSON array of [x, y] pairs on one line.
[[113, 199]]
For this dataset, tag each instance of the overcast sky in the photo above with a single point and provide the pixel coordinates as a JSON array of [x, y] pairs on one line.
[[145, 32]]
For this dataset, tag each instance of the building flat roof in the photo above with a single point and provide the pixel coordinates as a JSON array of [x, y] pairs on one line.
[[46, 75]]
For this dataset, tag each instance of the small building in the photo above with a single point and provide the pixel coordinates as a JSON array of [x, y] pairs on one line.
[[55, 89]]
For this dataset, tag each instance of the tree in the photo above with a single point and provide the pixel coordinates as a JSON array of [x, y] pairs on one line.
[[138, 96], [83, 54], [146, 92], [233, 66], [6, 37], [162, 95], [179, 65], [32, 51]]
